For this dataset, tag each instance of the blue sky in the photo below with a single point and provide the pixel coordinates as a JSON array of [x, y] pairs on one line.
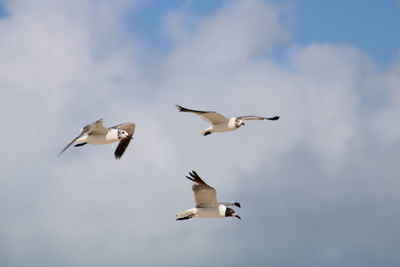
[[372, 26], [318, 187]]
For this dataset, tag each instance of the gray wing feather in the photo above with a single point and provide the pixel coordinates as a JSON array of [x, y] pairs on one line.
[[210, 116], [204, 195], [70, 143], [88, 129], [182, 109], [96, 128], [254, 117]]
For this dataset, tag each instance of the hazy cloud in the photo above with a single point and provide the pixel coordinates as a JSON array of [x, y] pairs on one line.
[[318, 187]]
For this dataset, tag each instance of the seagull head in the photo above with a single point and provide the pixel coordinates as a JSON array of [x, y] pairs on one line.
[[231, 213], [122, 134], [239, 123]]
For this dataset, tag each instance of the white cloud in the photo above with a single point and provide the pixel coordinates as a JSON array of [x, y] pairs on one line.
[[386, 120]]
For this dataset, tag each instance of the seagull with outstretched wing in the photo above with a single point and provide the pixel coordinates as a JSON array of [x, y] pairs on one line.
[[96, 134], [220, 123], [207, 205]]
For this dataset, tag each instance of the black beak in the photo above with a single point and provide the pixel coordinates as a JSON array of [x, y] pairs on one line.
[[243, 124], [237, 216]]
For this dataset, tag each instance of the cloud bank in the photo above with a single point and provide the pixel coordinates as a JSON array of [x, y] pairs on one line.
[[319, 187]]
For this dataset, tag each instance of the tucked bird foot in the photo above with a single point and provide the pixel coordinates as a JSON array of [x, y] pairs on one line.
[[80, 144], [184, 218]]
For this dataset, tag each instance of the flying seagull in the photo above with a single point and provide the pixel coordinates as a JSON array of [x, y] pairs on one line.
[[207, 205], [220, 123], [96, 134]]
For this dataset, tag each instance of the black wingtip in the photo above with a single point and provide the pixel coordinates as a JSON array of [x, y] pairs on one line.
[[117, 156], [194, 174], [180, 108], [123, 144], [273, 118], [237, 204], [190, 177]]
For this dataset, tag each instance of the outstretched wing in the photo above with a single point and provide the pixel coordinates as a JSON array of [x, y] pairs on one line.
[[253, 117], [122, 145], [210, 116], [96, 128], [129, 127], [93, 128], [204, 195]]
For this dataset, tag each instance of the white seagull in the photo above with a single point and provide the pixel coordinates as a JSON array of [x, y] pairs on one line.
[[207, 205], [220, 123], [96, 134]]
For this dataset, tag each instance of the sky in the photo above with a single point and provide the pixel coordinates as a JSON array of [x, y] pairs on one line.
[[318, 187]]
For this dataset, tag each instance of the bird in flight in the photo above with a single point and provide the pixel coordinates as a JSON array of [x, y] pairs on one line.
[[220, 123], [207, 205], [96, 134]]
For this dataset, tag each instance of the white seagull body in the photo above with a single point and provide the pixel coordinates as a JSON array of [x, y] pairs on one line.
[[220, 123], [207, 205], [96, 134]]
